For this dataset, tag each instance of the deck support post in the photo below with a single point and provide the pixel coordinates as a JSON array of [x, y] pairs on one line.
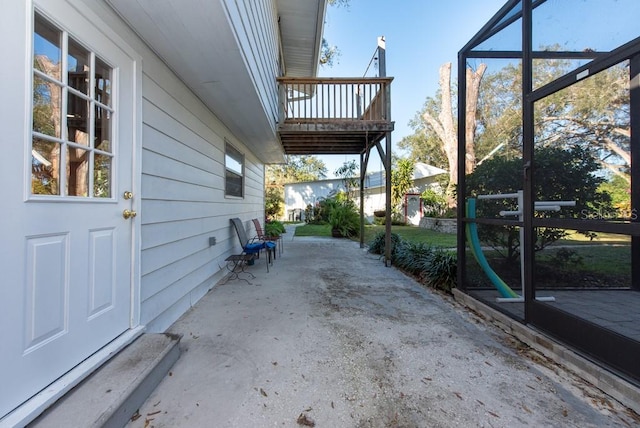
[[382, 72]]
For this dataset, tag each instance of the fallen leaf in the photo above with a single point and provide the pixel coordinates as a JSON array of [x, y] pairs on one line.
[[565, 413], [305, 421], [458, 395], [526, 409], [136, 416], [494, 414], [263, 392]]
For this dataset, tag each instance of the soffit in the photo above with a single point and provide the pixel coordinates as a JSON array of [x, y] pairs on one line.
[[301, 25], [198, 44]]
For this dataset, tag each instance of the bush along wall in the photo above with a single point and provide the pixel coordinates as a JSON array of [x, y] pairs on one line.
[[432, 266]]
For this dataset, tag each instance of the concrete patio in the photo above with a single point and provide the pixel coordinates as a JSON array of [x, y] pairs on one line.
[[330, 337]]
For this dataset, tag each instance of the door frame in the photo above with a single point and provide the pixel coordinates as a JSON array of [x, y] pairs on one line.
[[101, 16], [407, 196]]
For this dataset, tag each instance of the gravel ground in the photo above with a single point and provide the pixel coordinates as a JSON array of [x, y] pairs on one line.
[[332, 338]]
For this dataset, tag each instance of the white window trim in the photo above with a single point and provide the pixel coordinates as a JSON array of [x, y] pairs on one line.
[[227, 146], [63, 139]]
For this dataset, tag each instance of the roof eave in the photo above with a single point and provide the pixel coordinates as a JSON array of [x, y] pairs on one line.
[[300, 37]]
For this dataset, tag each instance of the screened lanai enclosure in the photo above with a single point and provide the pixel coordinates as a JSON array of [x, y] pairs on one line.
[[548, 179]]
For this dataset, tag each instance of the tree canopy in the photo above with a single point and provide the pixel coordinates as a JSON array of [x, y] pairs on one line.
[[295, 169], [401, 182], [592, 114], [562, 174], [330, 53]]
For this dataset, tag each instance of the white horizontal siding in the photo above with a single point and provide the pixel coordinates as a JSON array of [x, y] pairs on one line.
[[181, 195], [255, 26], [183, 202]]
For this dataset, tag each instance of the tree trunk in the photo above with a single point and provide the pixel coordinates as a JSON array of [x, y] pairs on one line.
[[473, 91], [445, 125], [445, 128]]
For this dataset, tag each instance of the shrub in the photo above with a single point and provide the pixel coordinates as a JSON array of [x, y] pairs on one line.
[[559, 174], [344, 218], [274, 228], [435, 203], [377, 243], [411, 256], [440, 272], [319, 214], [273, 203], [433, 266]]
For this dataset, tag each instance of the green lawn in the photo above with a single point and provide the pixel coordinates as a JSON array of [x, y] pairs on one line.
[[313, 230], [603, 238], [437, 239], [414, 234], [409, 233], [604, 260]]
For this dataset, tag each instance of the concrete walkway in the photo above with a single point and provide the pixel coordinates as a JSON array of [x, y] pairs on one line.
[[332, 338]]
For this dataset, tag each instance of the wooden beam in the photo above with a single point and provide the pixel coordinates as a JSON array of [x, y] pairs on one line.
[[335, 126]]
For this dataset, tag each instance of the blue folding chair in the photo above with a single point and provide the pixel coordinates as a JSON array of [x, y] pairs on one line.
[[253, 246]]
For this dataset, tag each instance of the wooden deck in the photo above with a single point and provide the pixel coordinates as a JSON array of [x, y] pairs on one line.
[[333, 115]]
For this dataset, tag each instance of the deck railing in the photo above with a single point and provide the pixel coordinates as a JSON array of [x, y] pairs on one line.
[[333, 100]]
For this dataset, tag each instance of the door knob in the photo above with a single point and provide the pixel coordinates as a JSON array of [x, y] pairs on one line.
[[127, 214], [127, 195]]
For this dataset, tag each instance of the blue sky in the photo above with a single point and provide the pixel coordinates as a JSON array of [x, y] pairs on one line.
[[420, 36]]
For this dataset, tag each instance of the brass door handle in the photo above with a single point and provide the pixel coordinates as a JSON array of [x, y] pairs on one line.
[[127, 195], [127, 214]]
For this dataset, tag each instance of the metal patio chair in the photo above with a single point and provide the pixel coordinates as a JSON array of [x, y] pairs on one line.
[[261, 236], [253, 246]]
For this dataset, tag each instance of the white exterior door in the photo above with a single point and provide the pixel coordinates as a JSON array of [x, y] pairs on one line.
[[67, 248], [413, 208]]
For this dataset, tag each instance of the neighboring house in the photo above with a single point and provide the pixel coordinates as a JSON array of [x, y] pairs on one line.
[[113, 108], [298, 195]]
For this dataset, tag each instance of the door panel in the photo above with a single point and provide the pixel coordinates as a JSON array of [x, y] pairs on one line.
[[66, 288], [102, 271], [46, 288]]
